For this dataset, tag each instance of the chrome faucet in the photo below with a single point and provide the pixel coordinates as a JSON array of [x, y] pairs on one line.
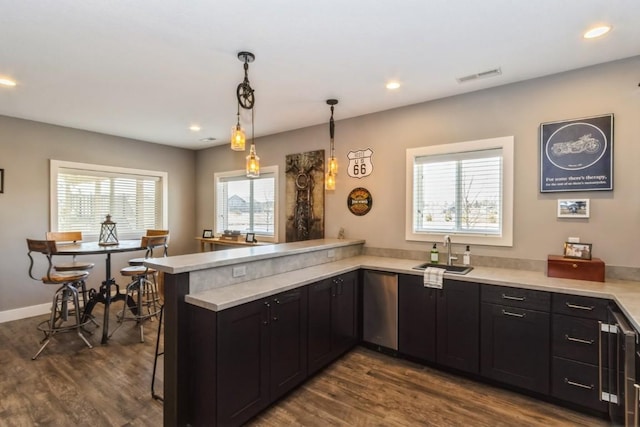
[[447, 244]]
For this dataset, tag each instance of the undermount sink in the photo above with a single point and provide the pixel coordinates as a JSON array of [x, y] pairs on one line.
[[453, 269]]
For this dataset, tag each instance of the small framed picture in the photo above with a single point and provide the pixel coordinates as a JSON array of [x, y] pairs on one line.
[[207, 234], [1, 180], [573, 208], [577, 250], [250, 238]]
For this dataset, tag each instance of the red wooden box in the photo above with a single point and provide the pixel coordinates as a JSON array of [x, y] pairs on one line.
[[580, 269]]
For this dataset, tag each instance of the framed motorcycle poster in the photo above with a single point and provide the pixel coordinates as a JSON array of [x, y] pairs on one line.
[[577, 155]]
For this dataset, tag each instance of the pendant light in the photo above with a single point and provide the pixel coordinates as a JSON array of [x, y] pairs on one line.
[[246, 99], [253, 161], [332, 162], [237, 135]]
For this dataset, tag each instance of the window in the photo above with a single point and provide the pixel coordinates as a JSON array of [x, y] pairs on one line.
[[83, 194], [464, 190], [247, 204]]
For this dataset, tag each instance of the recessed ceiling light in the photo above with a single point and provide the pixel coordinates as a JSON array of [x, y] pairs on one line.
[[7, 82], [393, 85], [194, 128], [597, 32]]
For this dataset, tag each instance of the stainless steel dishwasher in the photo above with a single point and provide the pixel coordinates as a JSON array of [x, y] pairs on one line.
[[380, 309]]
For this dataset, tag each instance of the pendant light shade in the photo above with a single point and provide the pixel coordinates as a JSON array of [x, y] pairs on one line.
[[238, 137], [253, 163], [332, 162]]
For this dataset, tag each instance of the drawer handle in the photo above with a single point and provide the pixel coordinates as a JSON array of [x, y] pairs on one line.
[[573, 383], [508, 313], [513, 298], [581, 341], [574, 265], [580, 307]]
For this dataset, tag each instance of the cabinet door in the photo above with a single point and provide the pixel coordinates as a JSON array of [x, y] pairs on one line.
[[319, 324], [458, 322], [243, 362], [288, 341], [416, 318], [515, 346], [343, 313]]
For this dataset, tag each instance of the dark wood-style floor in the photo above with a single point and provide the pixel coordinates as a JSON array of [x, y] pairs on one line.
[[109, 385]]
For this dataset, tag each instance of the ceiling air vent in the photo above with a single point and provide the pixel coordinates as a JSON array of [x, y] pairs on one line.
[[482, 75]]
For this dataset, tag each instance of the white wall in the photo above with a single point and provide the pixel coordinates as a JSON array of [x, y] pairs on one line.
[[25, 150], [518, 110]]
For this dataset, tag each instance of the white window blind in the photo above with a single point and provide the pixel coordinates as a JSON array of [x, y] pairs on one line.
[[246, 204], [459, 192], [85, 194]]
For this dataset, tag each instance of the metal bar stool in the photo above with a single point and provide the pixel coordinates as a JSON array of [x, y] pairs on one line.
[[72, 237], [157, 356], [142, 300], [65, 308]]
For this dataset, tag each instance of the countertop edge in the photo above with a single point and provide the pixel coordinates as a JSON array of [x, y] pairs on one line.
[[625, 293]]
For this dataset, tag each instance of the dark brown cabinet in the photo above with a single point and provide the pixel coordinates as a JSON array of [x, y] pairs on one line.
[[416, 318], [440, 325], [261, 354], [333, 320], [575, 375], [515, 337]]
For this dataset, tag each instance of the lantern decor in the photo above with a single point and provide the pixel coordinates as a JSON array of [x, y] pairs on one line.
[[108, 233]]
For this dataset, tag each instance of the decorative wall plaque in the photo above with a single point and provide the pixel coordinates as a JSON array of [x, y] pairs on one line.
[[359, 201], [360, 164]]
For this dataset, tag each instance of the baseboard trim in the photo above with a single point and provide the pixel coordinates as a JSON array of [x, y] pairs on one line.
[[24, 312]]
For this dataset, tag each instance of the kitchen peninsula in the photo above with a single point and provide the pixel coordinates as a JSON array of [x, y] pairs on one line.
[[201, 287]]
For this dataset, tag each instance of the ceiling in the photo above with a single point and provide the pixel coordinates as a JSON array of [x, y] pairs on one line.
[[149, 69]]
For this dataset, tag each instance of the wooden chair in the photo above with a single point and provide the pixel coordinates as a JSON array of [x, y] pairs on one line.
[[142, 299], [71, 237], [62, 237], [66, 309]]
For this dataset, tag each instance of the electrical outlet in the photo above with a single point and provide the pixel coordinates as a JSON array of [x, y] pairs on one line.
[[331, 253], [239, 271], [573, 239]]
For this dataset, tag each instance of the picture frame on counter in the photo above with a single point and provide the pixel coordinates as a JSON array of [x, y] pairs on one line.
[[573, 208], [250, 238], [577, 250], [207, 234]]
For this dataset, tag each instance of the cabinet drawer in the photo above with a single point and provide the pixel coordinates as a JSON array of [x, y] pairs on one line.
[[575, 305], [576, 382], [576, 338], [516, 297]]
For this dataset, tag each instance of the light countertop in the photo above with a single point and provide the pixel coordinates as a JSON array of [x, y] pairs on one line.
[[625, 293]]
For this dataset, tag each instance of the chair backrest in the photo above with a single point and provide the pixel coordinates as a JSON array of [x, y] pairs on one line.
[[45, 247], [64, 236], [152, 242], [157, 232]]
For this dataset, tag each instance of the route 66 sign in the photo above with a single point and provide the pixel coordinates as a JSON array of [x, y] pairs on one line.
[[360, 163]]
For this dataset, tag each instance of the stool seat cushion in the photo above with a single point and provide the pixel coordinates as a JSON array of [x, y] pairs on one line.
[[75, 265], [137, 270], [65, 277]]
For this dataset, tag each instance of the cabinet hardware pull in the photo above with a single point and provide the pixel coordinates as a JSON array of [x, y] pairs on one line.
[[274, 318], [635, 409], [508, 313], [568, 338], [573, 383], [600, 361], [579, 307], [513, 298]]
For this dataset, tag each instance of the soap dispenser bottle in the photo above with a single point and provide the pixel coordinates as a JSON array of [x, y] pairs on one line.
[[434, 255], [466, 257]]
